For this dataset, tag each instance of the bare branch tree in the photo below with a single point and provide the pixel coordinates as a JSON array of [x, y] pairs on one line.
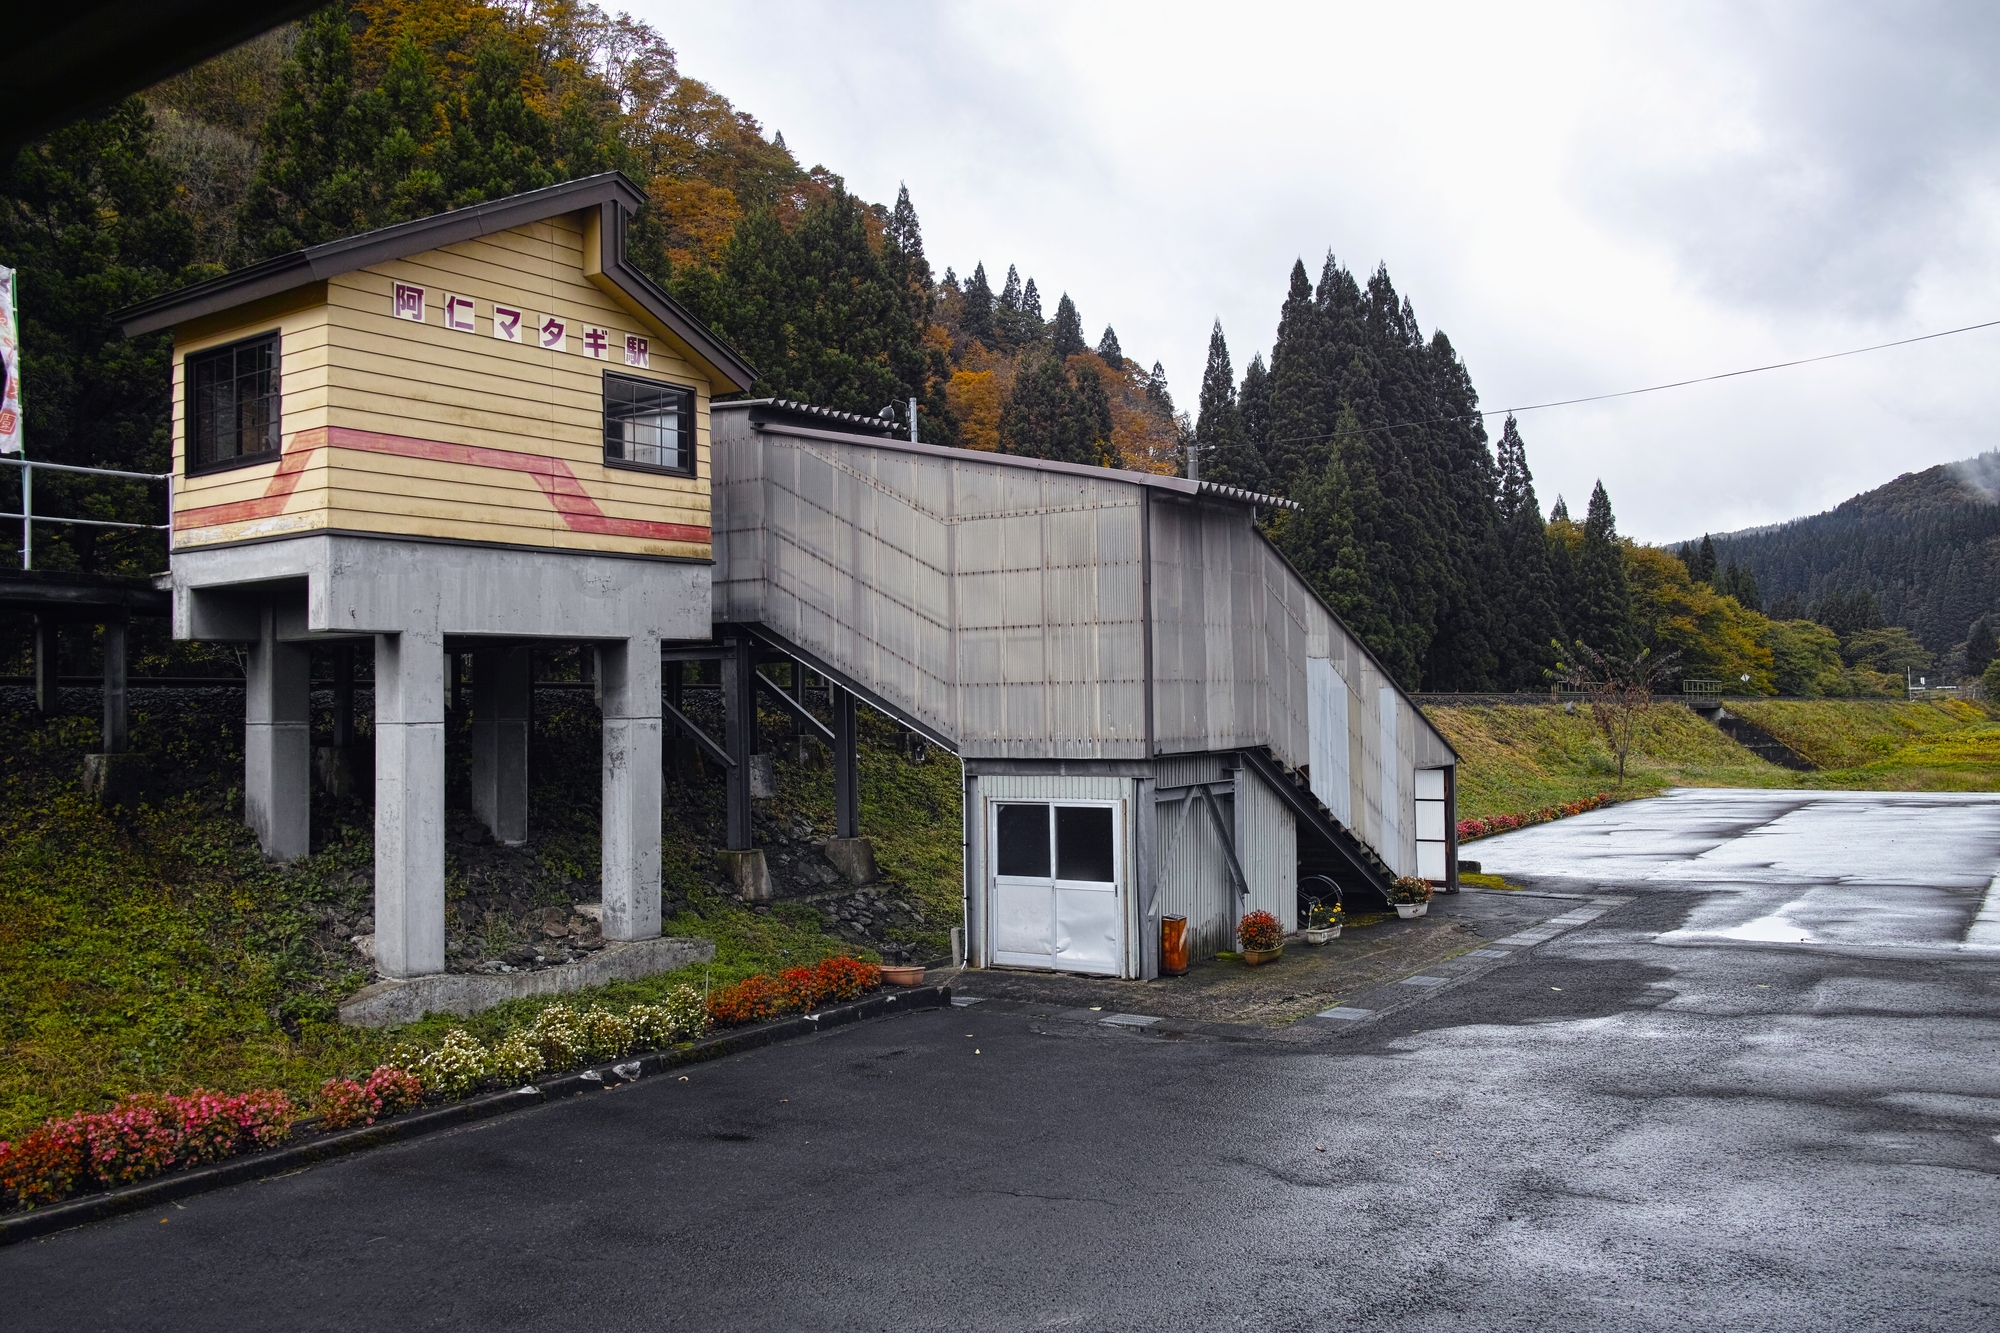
[[1620, 691]]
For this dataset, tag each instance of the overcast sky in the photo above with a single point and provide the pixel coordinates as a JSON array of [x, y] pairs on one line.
[[1584, 198]]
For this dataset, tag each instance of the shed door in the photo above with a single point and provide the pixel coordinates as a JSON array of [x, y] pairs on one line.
[[1055, 885]]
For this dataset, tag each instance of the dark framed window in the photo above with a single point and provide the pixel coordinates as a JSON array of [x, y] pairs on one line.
[[232, 404], [648, 424]]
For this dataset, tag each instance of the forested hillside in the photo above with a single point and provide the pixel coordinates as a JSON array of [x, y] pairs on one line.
[[1925, 548], [375, 112], [1428, 540]]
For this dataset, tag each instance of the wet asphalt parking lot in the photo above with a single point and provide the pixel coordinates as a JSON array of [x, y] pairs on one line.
[[1760, 1092]]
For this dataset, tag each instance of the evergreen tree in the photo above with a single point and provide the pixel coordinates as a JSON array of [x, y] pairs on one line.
[[1323, 541], [1253, 405], [1301, 381], [1602, 615], [1031, 302], [89, 222], [1066, 335], [1010, 294], [977, 321], [1982, 644], [903, 257], [1528, 622], [1218, 430], [1703, 568], [1049, 414], [1156, 391], [496, 144], [1108, 348], [1560, 513], [1740, 583]]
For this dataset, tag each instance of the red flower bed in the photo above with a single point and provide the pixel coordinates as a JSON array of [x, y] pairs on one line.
[[141, 1136], [797, 989], [1468, 829], [342, 1103]]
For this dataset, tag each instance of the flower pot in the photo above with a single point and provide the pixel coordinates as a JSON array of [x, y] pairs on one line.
[[1259, 957], [1322, 934], [1410, 911], [904, 974], [1173, 946]]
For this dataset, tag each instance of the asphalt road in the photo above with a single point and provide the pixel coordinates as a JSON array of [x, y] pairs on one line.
[[1642, 1123]]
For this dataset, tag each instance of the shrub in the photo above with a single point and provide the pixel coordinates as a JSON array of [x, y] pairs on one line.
[[750, 1000], [518, 1058], [680, 1017], [1260, 931], [849, 978], [141, 1136], [605, 1034], [212, 1128], [342, 1103], [456, 1066], [1468, 829], [558, 1034], [799, 988], [47, 1164]]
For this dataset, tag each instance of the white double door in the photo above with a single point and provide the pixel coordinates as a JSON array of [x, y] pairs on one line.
[[1057, 866]]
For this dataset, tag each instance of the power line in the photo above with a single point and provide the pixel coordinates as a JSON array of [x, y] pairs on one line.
[[1628, 393]]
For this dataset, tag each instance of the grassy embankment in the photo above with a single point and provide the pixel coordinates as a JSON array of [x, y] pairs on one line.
[[1516, 758], [156, 950]]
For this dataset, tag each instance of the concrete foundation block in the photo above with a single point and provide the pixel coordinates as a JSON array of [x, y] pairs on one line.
[[763, 776], [117, 779], [749, 874], [388, 1003], [853, 858]]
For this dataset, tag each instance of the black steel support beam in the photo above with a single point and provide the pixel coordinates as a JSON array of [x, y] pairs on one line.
[[739, 711], [700, 737], [116, 718], [846, 765], [1325, 825], [801, 718], [343, 695], [48, 665]]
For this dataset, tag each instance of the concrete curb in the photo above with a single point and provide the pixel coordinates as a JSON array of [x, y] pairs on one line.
[[284, 1161]]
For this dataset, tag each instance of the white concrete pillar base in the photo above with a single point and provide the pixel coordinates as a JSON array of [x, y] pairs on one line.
[[628, 674], [277, 742], [409, 804]]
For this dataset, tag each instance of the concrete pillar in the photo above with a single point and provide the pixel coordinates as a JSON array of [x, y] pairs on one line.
[[48, 666], [500, 690], [116, 718], [277, 742], [739, 714], [409, 803], [846, 766], [628, 681]]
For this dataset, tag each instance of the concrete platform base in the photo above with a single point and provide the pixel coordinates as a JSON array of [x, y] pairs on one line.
[[749, 874], [387, 1003], [763, 776], [116, 779], [854, 858]]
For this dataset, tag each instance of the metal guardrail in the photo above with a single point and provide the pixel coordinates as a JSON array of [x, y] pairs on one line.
[[28, 518], [1704, 687]]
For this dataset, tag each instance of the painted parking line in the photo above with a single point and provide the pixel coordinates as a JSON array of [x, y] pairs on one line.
[[1344, 1012], [961, 1001], [1128, 1020]]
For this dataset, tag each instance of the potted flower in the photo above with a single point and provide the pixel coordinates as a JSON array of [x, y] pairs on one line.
[[1263, 938], [1322, 921], [1411, 896]]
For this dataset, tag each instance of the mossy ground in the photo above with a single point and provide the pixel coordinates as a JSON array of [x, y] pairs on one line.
[[157, 950]]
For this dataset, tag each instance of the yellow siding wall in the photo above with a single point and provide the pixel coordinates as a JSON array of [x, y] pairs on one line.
[[417, 429]]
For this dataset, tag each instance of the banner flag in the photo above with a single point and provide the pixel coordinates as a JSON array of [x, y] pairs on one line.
[[10, 353]]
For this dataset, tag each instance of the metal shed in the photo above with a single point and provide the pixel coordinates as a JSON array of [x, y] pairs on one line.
[[1085, 640]]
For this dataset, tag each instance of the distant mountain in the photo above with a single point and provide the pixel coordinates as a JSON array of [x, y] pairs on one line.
[[1927, 545]]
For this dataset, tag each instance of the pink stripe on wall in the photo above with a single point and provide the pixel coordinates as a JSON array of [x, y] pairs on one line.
[[579, 512]]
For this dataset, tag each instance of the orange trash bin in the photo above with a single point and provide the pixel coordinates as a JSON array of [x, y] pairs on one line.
[[1173, 946]]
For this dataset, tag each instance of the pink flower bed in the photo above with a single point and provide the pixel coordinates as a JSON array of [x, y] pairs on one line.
[[1468, 829], [141, 1136]]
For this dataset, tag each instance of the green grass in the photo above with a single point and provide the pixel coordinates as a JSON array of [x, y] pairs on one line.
[[1516, 757], [1519, 757], [157, 950]]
